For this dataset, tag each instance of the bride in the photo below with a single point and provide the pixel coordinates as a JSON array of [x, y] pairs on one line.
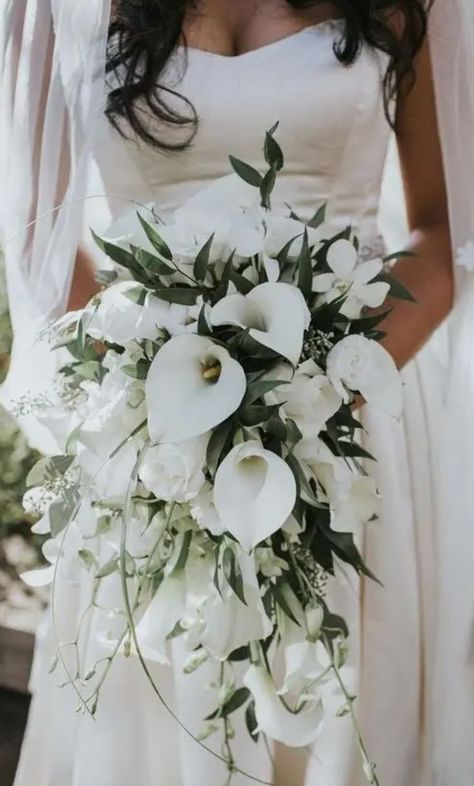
[[188, 83]]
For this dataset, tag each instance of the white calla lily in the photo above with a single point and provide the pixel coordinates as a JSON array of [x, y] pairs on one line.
[[275, 313], [254, 493], [274, 719], [362, 365], [192, 386], [228, 623], [164, 612]]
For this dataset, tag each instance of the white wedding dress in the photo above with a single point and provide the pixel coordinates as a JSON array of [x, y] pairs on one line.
[[335, 136]]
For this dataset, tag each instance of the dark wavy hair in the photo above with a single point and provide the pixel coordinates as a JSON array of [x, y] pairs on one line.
[[144, 34]]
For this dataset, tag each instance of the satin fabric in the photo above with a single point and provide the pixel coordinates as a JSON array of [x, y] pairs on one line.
[[335, 136]]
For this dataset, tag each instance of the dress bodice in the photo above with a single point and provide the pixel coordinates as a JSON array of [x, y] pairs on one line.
[[332, 128]]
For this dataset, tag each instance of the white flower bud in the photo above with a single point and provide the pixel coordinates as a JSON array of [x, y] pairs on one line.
[[314, 615], [195, 661]]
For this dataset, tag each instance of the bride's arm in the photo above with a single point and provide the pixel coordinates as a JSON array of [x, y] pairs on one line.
[[429, 275], [83, 286]]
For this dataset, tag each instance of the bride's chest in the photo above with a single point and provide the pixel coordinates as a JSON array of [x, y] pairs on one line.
[[332, 126]]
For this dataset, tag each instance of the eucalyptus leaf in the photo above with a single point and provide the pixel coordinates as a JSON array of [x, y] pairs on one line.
[[201, 262], [184, 296], [256, 414], [273, 152], [219, 438], [251, 721], [155, 239], [267, 186], [305, 269], [246, 172], [233, 574], [319, 217]]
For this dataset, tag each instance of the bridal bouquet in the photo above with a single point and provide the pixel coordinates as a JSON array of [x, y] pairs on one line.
[[212, 479]]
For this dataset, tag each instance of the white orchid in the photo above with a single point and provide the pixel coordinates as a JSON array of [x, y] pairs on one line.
[[254, 493], [160, 618], [193, 385], [359, 364], [276, 315], [174, 471], [351, 279], [353, 499]]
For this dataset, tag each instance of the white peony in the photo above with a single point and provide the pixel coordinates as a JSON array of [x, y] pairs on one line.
[[119, 320], [351, 279], [361, 365], [174, 471], [309, 399]]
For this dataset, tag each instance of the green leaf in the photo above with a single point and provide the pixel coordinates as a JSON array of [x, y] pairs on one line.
[[256, 414], [280, 600], [273, 152], [397, 289], [318, 218], [305, 269], [136, 295], [219, 438], [242, 284], [184, 553], [238, 698], [353, 450], [233, 574], [117, 254], [276, 428], [260, 388], [150, 263], [400, 255], [238, 655], [246, 172], [184, 296], [108, 568], [138, 370], [201, 262], [88, 558], [251, 721], [267, 186], [105, 277], [48, 469], [293, 434], [62, 511], [203, 325], [302, 481], [155, 239]]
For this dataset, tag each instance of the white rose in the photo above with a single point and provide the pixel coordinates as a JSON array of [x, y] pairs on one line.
[[361, 365], [119, 320], [309, 399], [174, 471]]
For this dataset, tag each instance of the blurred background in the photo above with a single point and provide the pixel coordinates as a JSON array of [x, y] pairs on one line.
[[21, 609]]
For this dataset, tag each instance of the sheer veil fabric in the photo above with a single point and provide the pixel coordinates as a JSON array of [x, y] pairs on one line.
[[52, 56]]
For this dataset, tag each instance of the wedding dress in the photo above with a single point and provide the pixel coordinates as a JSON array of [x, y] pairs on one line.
[[334, 133]]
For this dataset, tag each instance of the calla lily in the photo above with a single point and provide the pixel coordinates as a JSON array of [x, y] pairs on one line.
[[275, 313], [274, 719], [164, 612], [254, 493], [359, 364], [229, 624], [192, 386]]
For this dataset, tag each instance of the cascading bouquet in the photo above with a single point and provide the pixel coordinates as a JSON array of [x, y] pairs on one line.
[[211, 464]]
